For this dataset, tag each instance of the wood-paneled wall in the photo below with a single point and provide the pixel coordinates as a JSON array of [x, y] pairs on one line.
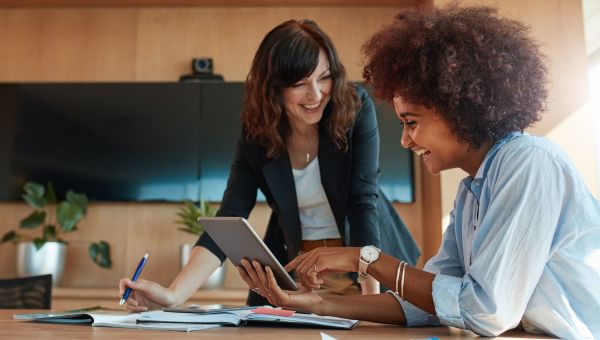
[[157, 44]]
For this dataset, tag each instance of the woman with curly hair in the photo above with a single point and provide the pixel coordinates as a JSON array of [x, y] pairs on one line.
[[523, 245], [310, 143]]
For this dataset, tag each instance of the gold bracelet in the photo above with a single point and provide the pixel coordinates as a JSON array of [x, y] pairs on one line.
[[402, 281], [398, 275]]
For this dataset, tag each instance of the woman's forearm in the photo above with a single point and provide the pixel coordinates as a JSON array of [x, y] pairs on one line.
[[417, 283], [381, 308], [201, 265]]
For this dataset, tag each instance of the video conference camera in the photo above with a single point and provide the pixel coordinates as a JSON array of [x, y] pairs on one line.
[[202, 65], [202, 70]]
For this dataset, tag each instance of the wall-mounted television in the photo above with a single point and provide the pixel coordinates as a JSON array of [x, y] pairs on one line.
[[142, 141]]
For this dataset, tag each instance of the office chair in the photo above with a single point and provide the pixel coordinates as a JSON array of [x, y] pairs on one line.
[[32, 292]]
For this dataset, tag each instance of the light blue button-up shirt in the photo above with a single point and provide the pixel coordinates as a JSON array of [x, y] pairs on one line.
[[522, 247]]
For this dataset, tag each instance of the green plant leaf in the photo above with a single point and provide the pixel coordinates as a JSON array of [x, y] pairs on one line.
[[11, 236], [202, 208], [188, 217], [93, 251], [206, 209], [100, 254], [50, 193], [104, 247], [34, 201], [38, 242], [33, 194], [78, 199], [67, 216], [34, 189], [33, 220], [50, 232]]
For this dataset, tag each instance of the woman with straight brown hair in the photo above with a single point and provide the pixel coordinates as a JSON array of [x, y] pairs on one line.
[[310, 143]]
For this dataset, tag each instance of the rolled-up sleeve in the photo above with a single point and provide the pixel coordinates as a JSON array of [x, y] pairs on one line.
[[445, 292], [446, 261], [416, 317]]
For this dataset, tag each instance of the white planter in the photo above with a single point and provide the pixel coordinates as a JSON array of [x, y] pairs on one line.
[[49, 259], [215, 280]]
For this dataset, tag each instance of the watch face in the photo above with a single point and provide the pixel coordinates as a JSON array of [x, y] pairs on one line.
[[369, 253]]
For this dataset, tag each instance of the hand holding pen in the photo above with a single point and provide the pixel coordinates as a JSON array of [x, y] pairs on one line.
[[146, 295], [134, 278]]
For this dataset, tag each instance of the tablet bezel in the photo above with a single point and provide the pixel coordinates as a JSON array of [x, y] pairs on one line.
[[221, 230]]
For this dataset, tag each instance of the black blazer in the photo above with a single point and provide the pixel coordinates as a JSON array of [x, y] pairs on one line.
[[362, 213]]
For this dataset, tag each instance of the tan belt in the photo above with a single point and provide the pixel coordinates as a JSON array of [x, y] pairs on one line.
[[307, 246]]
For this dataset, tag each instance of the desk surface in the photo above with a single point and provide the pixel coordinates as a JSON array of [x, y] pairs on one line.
[[11, 329]]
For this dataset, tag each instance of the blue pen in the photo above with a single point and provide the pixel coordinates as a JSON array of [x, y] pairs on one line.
[[134, 278]]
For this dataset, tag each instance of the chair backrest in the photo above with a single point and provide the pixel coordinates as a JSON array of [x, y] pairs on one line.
[[34, 292]]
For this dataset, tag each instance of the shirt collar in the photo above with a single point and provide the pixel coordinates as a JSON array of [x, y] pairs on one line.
[[475, 184], [491, 154]]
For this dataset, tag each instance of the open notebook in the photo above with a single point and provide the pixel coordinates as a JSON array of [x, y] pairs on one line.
[[104, 318], [252, 315]]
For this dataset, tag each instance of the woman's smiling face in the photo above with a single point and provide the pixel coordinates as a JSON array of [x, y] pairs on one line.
[[429, 136], [305, 101]]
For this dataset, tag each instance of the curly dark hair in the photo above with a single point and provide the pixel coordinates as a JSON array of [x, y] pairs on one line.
[[482, 73], [287, 54]]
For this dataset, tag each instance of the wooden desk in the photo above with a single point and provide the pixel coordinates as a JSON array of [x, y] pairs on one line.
[[76, 298], [11, 329]]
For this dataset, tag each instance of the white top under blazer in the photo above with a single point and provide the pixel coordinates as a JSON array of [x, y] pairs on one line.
[[316, 218]]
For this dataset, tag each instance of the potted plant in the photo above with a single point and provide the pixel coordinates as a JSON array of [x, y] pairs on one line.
[[46, 253], [188, 218]]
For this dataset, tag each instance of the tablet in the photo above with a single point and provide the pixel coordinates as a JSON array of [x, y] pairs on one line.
[[238, 240]]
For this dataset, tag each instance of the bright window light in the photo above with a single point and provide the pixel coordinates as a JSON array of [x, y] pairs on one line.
[[595, 100]]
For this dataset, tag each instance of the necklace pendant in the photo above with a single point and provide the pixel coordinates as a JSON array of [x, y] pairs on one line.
[[307, 157]]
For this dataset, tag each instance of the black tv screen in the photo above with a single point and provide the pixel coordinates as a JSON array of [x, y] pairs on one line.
[[142, 141], [111, 141]]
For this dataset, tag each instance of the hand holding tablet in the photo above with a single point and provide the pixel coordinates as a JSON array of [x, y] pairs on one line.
[[238, 240]]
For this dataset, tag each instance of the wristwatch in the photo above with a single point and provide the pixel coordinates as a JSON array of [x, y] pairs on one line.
[[368, 254]]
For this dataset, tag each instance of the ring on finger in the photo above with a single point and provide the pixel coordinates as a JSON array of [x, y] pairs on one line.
[[256, 290]]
